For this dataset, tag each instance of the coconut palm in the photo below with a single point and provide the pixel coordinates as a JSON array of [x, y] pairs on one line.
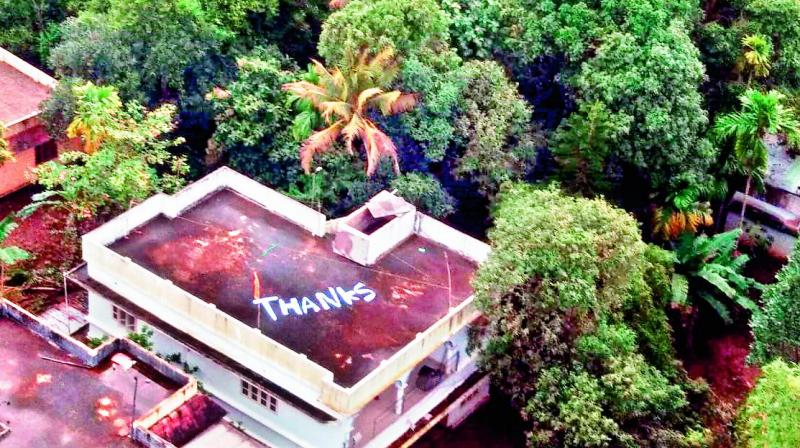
[[709, 269], [97, 112], [345, 97], [756, 57], [761, 114]]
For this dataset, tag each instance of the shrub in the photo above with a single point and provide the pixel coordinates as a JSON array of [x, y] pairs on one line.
[[424, 191], [776, 329], [771, 415]]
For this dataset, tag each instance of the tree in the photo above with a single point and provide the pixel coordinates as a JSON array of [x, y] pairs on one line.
[[760, 114], [345, 97], [776, 330], [666, 146], [152, 50], [9, 255], [99, 109], [583, 143], [778, 20], [492, 128], [131, 161], [406, 26], [770, 416], [708, 269], [558, 290], [757, 56], [425, 192], [683, 212]]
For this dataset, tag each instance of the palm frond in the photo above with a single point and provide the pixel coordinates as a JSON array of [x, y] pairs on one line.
[[318, 142], [718, 306], [680, 289], [7, 225]]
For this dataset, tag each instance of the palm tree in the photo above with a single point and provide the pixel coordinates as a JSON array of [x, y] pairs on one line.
[[761, 114], [708, 268], [97, 112], [684, 212], [345, 97], [756, 57], [9, 255]]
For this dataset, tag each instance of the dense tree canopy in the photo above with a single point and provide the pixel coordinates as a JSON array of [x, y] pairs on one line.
[[407, 26], [556, 289]]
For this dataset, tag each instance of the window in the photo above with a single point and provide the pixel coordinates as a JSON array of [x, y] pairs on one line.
[[46, 151], [124, 319], [259, 395]]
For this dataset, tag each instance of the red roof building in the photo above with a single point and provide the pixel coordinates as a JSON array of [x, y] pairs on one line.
[[23, 88]]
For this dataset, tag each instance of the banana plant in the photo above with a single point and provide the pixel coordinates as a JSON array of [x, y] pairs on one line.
[[9, 255], [708, 269]]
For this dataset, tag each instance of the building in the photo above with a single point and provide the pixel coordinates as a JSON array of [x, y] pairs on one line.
[[23, 89], [106, 393], [312, 332], [772, 217]]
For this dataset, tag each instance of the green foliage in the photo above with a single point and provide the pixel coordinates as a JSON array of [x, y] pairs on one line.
[[96, 342], [780, 21], [563, 288], [143, 338], [438, 80], [665, 142], [771, 415], [425, 192], [150, 49], [776, 330], [477, 26], [133, 160], [573, 27], [58, 109], [10, 255], [760, 114], [494, 127], [583, 143], [708, 269], [29, 28], [407, 26], [254, 122]]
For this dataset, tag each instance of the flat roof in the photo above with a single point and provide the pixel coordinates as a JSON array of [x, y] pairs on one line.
[[48, 401], [212, 250], [21, 96]]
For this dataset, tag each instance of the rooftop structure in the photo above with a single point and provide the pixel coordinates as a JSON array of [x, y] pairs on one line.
[[309, 330], [55, 391]]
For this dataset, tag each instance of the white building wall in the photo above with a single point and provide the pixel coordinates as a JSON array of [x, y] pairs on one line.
[[288, 427]]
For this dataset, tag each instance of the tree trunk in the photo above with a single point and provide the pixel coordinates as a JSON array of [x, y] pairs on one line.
[[744, 201]]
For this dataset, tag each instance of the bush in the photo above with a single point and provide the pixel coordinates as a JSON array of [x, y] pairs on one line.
[[425, 192], [776, 330], [771, 415]]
